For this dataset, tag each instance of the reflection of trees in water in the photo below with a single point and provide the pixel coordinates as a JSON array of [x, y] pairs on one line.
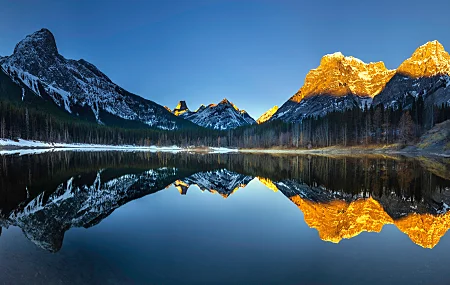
[[376, 175], [24, 177]]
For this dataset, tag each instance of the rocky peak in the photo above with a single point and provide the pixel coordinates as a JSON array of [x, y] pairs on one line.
[[41, 42], [428, 60], [226, 102], [267, 115], [180, 108], [341, 75]]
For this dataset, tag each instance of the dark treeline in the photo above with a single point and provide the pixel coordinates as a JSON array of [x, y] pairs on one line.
[[366, 126], [357, 126]]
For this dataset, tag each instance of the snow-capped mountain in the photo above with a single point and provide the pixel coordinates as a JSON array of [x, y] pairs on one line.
[[222, 116], [267, 115], [77, 86], [426, 73], [339, 83]]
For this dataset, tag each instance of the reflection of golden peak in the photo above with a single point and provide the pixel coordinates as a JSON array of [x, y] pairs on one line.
[[428, 60], [425, 230], [339, 75], [181, 186], [339, 220], [267, 115], [268, 183]]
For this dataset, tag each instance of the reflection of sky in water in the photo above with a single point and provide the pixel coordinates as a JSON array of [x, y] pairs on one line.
[[255, 236]]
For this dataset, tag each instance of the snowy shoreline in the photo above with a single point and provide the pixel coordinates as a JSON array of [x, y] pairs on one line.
[[35, 147]]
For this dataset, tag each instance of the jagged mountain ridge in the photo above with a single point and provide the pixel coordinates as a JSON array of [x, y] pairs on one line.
[[425, 73], [347, 82], [77, 86], [222, 116], [338, 83]]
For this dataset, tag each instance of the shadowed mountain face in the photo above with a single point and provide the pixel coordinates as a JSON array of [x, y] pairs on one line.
[[77, 87], [222, 116], [46, 195]]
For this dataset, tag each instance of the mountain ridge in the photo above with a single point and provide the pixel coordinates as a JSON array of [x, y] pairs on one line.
[[221, 116], [347, 82], [74, 85]]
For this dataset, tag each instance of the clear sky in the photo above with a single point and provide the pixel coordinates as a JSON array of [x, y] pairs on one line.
[[256, 53]]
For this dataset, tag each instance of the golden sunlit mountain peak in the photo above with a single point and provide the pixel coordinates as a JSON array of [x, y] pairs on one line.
[[427, 60], [340, 75], [267, 115]]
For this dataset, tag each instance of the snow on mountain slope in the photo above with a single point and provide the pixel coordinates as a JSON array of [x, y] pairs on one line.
[[222, 116], [45, 219], [341, 83], [75, 85]]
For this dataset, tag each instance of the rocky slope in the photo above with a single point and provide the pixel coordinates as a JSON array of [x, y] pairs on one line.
[[222, 116], [341, 83], [425, 73], [78, 87], [267, 115], [338, 83]]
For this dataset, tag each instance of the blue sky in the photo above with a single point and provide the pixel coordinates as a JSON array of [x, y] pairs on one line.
[[256, 53]]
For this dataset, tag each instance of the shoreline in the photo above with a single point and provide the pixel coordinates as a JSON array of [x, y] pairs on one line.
[[26, 146], [379, 150]]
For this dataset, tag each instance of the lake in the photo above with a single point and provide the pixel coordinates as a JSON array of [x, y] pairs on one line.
[[184, 218]]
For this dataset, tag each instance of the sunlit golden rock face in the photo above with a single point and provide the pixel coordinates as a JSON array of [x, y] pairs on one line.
[[267, 115], [268, 183], [181, 186], [339, 220], [425, 230], [180, 109], [428, 60], [339, 76]]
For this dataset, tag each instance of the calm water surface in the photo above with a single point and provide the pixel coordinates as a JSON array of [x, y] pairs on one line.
[[160, 218]]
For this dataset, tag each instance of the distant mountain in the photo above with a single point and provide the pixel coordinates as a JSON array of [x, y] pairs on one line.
[[77, 87], [267, 115], [222, 116], [338, 83], [425, 73]]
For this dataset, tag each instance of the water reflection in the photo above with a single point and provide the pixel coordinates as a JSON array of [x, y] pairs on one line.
[[47, 194]]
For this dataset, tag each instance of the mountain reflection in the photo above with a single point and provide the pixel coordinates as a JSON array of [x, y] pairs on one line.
[[46, 195]]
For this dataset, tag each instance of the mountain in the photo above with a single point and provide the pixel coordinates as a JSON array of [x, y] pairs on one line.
[[267, 115], [221, 181], [78, 87], [342, 82], [222, 116], [338, 83], [425, 73]]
